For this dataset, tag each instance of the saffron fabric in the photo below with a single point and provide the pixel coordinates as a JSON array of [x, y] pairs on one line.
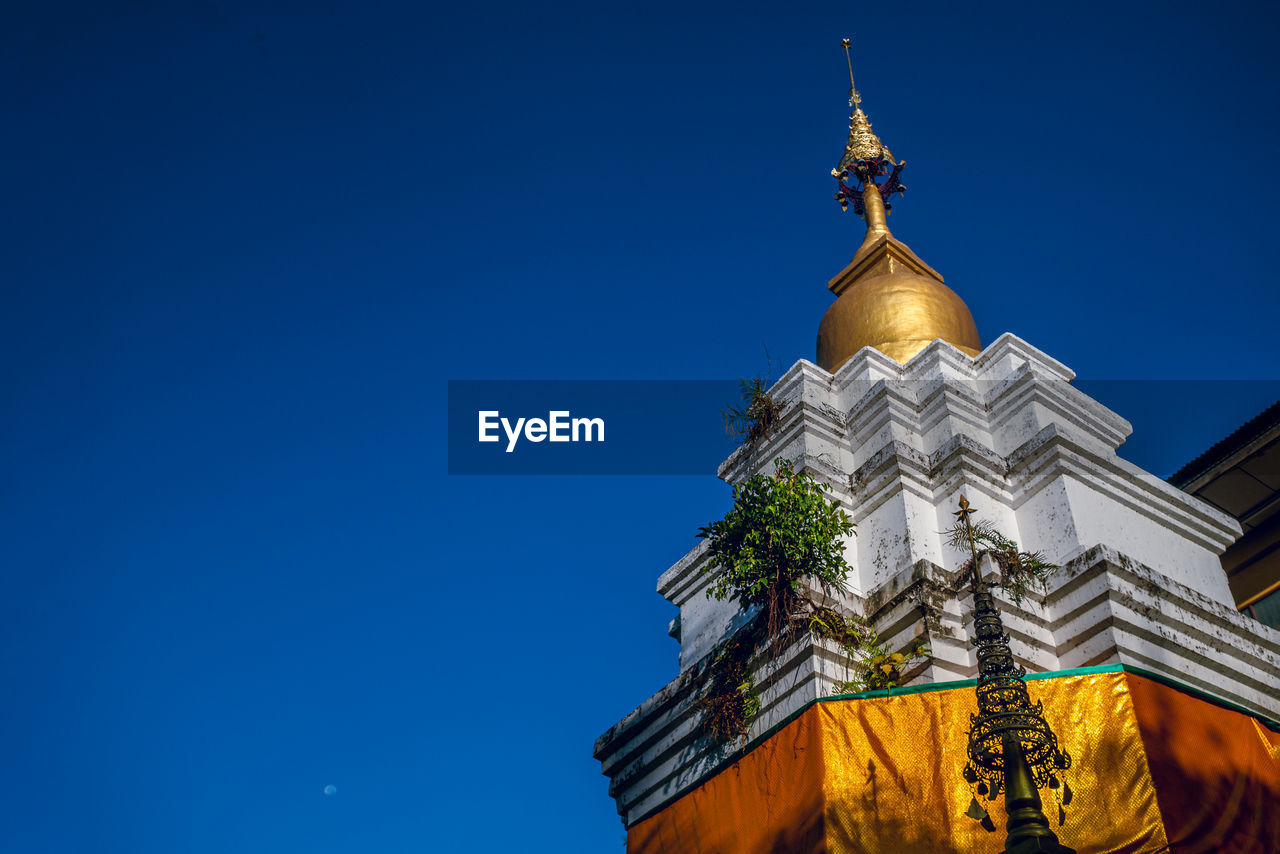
[[1154, 769], [1216, 772], [773, 799]]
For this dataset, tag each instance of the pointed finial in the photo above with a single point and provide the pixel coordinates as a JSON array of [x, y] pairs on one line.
[[854, 98]]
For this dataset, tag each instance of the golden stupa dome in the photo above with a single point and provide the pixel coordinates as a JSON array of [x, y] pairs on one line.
[[887, 298]]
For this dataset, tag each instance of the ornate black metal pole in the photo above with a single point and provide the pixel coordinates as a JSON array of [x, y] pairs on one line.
[[1011, 747]]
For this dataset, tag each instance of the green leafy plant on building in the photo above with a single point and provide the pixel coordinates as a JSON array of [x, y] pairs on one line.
[[781, 538]]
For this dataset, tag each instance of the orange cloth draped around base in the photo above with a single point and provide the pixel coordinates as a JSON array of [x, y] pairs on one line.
[[1154, 769]]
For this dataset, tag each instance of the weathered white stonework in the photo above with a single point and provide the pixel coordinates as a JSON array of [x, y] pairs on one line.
[[1140, 584]]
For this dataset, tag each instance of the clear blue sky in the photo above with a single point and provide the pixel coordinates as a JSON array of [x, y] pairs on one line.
[[246, 245]]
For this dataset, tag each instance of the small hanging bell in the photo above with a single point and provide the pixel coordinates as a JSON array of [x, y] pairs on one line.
[[1066, 793], [975, 811], [988, 825]]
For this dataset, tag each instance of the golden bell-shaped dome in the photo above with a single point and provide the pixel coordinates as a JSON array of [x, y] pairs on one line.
[[887, 298]]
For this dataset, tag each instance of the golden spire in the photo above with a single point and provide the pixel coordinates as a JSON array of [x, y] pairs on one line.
[[887, 298], [863, 143], [854, 97]]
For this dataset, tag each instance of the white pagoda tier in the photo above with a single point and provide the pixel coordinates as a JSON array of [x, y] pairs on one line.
[[1140, 582]]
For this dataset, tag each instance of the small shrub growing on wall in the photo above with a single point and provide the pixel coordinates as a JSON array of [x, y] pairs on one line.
[[782, 535], [780, 531], [758, 414], [873, 666]]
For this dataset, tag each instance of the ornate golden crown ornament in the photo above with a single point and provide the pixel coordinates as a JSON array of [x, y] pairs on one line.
[[866, 159]]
